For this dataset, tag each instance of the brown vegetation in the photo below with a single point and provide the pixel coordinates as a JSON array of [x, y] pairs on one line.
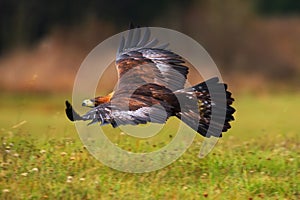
[[252, 52]]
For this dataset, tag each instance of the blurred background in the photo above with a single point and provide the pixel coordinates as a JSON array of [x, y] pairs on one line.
[[255, 43]]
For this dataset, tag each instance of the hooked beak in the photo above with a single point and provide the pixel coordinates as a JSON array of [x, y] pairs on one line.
[[88, 103]]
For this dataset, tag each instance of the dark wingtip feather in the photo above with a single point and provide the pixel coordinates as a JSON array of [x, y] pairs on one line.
[[69, 111], [131, 26], [71, 114]]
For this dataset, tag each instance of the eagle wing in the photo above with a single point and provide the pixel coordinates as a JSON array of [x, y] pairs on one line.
[[108, 114], [150, 78], [140, 60], [148, 75]]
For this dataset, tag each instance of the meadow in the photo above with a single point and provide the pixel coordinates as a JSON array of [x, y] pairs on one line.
[[42, 156]]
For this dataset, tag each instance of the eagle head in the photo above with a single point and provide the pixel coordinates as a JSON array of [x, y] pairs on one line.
[[88, 103]]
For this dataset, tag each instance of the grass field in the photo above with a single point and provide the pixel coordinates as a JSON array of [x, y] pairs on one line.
[[42, 156]]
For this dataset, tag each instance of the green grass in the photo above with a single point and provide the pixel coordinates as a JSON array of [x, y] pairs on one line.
[[258, 158]]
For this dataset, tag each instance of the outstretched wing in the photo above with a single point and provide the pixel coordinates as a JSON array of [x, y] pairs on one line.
[[142, 60], [107, 114], [148, 75]]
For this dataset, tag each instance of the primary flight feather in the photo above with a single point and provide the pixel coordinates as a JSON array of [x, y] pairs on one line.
[[151, 89]]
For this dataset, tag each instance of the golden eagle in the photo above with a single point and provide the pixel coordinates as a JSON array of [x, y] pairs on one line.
[[151, 82]]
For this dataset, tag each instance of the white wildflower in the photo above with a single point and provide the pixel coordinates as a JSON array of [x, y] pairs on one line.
[[24, 174], [122, 133], [5, 190], [69, 179], [34, 169], [16, 155], [42, 151], [72, 158]]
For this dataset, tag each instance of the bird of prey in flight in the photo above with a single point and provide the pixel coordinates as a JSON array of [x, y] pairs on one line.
[[151, 89]]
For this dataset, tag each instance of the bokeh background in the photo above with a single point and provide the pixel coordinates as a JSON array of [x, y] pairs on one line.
[[255, 43], [256, 46]]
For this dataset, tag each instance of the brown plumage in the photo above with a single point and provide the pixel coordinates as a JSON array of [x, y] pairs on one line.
[[151, 82], [102, 99]]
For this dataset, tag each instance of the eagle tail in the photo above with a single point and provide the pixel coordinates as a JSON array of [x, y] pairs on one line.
[[202, 121]]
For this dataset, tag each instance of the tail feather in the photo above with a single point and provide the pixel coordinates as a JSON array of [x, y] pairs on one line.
[[208, 102]]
